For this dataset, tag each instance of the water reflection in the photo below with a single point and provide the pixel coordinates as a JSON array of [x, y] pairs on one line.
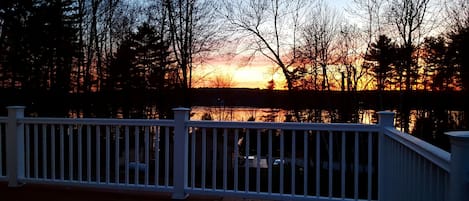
[[275, 114], [238, 114], [427, 124]]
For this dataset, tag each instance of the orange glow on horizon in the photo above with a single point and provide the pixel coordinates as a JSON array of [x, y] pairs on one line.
[[255, 71], [239, 71]]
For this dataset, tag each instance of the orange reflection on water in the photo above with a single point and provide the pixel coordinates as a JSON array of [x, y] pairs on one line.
[[269, 114], [238, 114]]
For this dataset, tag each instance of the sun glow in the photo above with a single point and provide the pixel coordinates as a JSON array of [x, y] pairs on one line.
[[255, 77], [239, 77], [237, 72]]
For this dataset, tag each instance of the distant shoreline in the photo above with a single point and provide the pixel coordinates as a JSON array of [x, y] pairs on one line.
[[451, 100]]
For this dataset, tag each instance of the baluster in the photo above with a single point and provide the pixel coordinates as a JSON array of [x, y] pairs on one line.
[[127, 153], [293, 162], [204, 156], [331, 165], [62, 153], [108, 154], [52, 154], [27, 150], [44, 151], [343, 166], [225, 159], [214, 158], [305, 163], [318, 164], [147, 155], [236, 159], [258, 161], [98, 153], [88, 153], [117, 155]]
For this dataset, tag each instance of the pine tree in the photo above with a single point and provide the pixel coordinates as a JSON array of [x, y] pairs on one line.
[[380, 57]]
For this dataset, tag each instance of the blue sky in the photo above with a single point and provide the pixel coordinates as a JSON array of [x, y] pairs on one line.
[[340, 4]]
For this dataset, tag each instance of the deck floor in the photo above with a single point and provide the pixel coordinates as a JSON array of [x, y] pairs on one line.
[[72, 193]]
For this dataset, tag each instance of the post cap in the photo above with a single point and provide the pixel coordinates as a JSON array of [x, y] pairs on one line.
[[181, 109], [458, 134], [459, 137], [386, 118], [387, 112], [15, 107]]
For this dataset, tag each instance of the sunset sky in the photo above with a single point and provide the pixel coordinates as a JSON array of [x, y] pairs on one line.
[[243, 74]]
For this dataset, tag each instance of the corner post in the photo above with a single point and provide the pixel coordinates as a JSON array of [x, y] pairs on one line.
[[459, 167], [385, 120], [180, 163], [15, 145]]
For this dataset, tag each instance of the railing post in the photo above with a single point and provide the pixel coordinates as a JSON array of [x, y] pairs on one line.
[[181, 116], [385, 119], [15, 146], [459, 167]]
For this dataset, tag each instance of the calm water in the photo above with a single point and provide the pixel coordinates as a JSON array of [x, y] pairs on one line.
[[270, 114], [427, 124]]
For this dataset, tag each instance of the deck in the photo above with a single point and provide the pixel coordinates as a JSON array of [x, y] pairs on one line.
[[146, 159], [75, 193]]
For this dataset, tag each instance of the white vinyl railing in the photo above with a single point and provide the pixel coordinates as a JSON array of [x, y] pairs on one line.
[[278, 161], [415, 170], [283, 160], [110, 152]]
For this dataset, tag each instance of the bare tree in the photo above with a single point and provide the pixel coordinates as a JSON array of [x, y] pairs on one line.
[[349, 53], [457, 11], [193, 32], [319, 37], [272, 28], [408, 17], [370, 11]]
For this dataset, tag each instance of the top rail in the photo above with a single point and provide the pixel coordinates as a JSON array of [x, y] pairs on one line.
[[96, 121], [286, 126], [430, 152]]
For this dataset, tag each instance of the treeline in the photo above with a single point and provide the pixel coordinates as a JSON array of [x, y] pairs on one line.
[[44, 102], [111, 47], [101, 46], [82, 46], [307, 99]]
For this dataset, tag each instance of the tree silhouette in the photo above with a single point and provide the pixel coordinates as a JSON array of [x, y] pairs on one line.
[[439, 64], [39, 44], [408, 17], [120, 68], [142, 64], [14, 63], [379, 58], [459, 47]]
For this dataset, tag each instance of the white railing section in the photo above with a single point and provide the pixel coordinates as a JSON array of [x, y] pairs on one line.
[[283, 160], [99, 152], [415, 170], [412, 169], [279, 161], [122, 153]]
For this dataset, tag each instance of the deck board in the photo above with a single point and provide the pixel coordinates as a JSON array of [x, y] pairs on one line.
[[73, 193]]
